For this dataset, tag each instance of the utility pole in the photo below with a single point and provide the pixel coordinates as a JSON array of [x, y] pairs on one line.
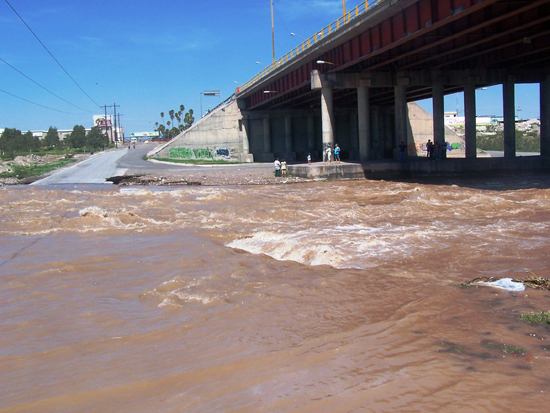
[[105, 123], [116, 134], [119, 115], [113, 133]]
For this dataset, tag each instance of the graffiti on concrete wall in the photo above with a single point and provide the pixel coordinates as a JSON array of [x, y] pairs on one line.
[[187, 153], [223, 153], [203, 153], [422, 148], [181, 153]]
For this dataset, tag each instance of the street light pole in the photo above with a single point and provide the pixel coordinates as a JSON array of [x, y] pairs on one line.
[[209, 93], [297, 35], [272, 32]]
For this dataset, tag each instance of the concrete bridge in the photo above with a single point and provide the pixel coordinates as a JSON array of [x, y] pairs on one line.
[[351, 82]]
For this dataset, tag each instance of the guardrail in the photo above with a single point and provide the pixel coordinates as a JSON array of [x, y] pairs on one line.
[[352, 14], [225, 102]]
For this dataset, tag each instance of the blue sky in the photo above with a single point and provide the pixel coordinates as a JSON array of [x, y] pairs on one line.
[[149, 57]]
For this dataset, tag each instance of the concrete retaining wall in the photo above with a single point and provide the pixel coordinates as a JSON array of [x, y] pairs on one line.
[[420, 167]]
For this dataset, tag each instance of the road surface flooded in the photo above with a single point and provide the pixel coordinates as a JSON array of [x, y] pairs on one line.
[[316, 297]]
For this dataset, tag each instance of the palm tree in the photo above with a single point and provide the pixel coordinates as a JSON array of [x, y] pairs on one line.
[[162, 129], [162, 116], [181, 113], [171, 113], [189, 119]]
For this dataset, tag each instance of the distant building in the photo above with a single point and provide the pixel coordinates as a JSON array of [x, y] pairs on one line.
[[61, 133], [105, 123], [144, 136], [452, 119]]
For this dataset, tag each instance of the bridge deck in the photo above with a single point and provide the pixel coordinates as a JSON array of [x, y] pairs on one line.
[[426, 38]]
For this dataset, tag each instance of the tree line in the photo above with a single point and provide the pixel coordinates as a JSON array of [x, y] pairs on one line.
[[14, 142], [525, 141], [185, 120]]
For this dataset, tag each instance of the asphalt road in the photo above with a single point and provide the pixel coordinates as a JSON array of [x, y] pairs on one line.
[[500, 154], [123, 161], [93, 170]]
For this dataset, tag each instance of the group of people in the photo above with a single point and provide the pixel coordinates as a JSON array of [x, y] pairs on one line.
[[328, 153], [433, 150], [280, 168]]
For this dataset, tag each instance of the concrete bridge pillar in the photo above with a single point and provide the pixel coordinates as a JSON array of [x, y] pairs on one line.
[[438, 106], [288, 134], [470, 119], [401, 117], [363, 115], [310, 133], [354, 138], [244, 135], [267, 134], [545, 117], [327, 117], [509, 107], [376, 153]]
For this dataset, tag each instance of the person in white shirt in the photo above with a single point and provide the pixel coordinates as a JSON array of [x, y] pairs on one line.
[[329, 153], [277, 167]]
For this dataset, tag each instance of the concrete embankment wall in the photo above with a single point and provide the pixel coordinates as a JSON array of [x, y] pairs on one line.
[[220, 131], [421, 129]]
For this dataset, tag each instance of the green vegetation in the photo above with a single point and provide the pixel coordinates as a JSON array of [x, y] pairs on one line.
[[505, 348], [13, 142], [525, 141], [21, 172], [535, 318], [195, 161], [534, 281], [170, 130]]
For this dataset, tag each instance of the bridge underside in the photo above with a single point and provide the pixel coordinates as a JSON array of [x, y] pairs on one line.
[[398, 52]]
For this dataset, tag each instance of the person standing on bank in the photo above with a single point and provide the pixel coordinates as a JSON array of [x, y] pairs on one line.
[[309, 158], [283, 168], [329, 154], [277, 167], [429, 149], [336, 153]]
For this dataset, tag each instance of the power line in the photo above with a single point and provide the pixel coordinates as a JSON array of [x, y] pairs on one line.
[[287, 29], [37, 104], [49, 91], [53, 57]]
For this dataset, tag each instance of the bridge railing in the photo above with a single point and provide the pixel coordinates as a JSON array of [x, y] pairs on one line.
[[318, 36]]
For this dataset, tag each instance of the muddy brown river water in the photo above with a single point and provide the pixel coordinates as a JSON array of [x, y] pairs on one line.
[[314, 297]]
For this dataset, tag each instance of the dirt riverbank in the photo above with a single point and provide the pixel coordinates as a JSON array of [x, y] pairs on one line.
[[7, 167], [208, 177]]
